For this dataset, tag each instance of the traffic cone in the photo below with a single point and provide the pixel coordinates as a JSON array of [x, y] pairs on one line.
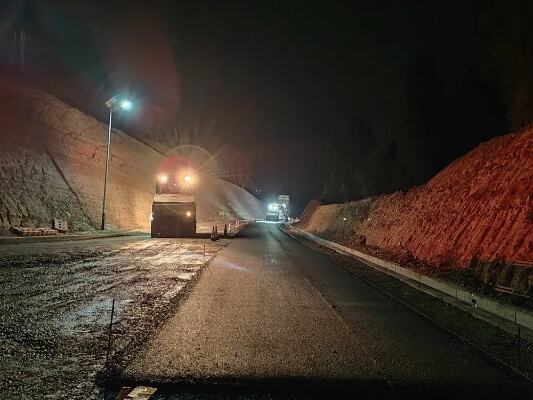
[[225, 230]]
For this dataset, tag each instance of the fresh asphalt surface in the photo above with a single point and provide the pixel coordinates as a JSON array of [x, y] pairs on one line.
[[272, 318]]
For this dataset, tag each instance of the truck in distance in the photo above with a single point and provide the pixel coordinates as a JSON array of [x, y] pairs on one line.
[[278, 211]]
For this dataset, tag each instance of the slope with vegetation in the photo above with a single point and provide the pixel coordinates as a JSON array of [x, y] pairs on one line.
[[476, 215]]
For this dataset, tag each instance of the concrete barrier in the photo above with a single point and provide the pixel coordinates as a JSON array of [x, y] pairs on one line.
[[518, 315]]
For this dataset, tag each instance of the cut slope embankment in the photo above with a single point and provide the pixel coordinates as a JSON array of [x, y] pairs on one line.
[[217, 199], [476, 215], [52, 159]]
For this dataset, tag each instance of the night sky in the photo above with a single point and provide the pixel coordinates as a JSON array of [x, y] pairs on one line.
[[286, 83]]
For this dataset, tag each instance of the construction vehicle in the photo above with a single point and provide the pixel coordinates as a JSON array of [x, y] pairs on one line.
[[173, 209], [278, 211]]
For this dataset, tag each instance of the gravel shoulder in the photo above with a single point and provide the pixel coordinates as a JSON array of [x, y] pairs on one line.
[[56, 299]]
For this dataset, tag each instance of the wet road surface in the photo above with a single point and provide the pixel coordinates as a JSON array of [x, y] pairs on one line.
[[271, 316], [55, 301]]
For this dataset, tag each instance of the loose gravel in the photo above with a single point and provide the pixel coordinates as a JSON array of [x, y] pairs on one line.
[[56, 300]]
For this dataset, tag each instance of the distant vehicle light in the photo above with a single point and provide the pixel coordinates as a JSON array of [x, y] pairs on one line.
[[188, 214], [344, 218], [272, 207], [187, 178]]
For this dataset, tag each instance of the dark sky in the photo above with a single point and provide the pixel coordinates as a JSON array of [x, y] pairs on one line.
[[276, 80], [301, 72]]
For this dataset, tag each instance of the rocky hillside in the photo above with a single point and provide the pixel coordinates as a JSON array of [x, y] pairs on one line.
[[477, 211], [52, 159]]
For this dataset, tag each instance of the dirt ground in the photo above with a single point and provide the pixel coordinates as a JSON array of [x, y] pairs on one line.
[[56, 303]]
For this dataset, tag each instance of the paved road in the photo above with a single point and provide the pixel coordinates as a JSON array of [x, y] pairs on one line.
[[272, 315]]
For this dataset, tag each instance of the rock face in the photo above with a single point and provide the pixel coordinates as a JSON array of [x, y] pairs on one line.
[[478, 208], [35, 192], [52, 159]]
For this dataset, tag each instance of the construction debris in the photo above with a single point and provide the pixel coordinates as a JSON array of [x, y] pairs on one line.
[[33, 231], [139, 393]]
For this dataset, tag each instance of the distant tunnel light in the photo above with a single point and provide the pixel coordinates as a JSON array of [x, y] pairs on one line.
[[188, 214], [187, 178], [272, 207], [163, 179], [344, 218]]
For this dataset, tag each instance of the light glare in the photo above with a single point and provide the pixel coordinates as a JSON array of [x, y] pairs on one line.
[[126, 104]]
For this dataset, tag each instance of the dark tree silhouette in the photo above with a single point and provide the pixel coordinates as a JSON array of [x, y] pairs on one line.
[[509, 55]]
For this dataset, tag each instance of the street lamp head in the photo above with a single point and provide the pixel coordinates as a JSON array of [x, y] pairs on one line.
[[126, 105], [119, 102]]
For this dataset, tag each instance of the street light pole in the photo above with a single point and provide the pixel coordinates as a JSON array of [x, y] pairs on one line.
[[107, 166], [114, 103]]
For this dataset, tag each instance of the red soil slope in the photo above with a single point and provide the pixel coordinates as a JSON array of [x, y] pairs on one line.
[[480, 207]]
